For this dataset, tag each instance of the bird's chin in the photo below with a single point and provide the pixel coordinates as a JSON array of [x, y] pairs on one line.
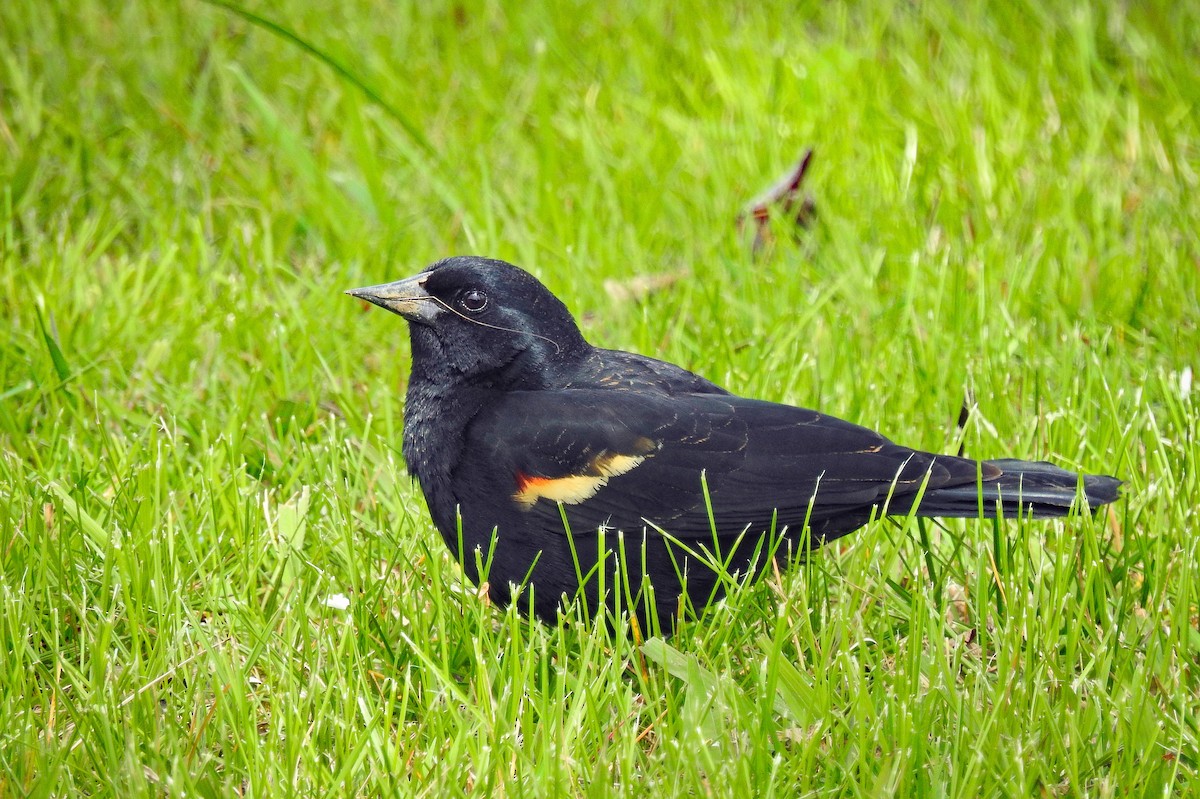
[[425, 344]]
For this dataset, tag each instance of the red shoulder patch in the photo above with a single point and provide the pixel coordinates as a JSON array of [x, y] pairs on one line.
[[574, 488]]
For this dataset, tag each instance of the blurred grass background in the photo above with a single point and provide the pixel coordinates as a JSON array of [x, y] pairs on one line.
[[199, 434]]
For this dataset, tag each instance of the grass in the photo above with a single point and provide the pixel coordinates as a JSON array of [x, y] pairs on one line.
[[216, 576]]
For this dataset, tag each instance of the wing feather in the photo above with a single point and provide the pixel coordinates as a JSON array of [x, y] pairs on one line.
[[761, 462]]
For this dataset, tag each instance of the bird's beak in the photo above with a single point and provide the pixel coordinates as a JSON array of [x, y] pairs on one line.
[[406, 297]]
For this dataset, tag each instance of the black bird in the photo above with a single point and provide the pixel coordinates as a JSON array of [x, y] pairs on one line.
[[537, 452]]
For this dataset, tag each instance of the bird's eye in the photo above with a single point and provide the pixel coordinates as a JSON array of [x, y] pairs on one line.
[[473, 300]]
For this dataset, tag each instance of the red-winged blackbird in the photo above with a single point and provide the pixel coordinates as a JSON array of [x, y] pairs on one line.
[[537, 452]]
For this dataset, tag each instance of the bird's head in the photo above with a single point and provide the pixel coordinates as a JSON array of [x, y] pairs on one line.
[[481, 318]]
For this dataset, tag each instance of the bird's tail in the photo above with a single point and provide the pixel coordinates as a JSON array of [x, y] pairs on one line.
[[1034, 489]]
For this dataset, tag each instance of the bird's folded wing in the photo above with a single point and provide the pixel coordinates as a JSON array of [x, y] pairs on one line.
[[628, 461]]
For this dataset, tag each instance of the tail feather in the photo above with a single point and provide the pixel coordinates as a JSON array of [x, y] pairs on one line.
[[1029, 488]]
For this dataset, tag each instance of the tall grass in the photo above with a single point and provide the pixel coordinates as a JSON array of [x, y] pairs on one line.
[[217, 577]]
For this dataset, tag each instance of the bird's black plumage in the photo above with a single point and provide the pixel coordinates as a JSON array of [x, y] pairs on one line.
[[548, 456]]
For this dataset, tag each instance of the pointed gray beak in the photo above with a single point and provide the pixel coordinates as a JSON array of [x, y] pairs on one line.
[[406, 297]]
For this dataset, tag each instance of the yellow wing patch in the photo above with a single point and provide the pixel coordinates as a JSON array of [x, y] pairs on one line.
[[574, 488]]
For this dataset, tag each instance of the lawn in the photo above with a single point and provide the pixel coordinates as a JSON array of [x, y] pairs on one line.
[[217, 578]]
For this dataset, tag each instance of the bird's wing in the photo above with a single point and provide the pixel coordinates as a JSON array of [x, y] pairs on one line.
[[624, 460]]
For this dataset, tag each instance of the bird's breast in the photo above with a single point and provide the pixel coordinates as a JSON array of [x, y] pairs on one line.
[[435, 420]]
